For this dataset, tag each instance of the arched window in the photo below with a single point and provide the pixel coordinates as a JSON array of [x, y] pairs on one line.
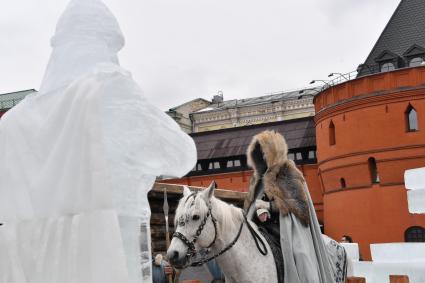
[[415, 234], [343, 184], [332, 139], [411, 119], [386, 67], [374, 176], [417, 61]]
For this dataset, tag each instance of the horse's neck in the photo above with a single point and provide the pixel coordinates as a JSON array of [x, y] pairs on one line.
[[230, 260]]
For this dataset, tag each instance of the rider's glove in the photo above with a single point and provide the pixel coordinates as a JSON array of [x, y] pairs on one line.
[[262, 204]]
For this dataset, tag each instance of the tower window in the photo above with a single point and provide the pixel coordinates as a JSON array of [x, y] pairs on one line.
[[332, 140], [411, 119], [415, 234], [343, 184], [374, 176]]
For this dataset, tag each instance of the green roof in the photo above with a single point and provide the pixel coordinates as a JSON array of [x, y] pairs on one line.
[[8, 100]]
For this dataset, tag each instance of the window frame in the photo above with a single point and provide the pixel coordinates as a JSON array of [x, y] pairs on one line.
[[413, 58], [373, 170], [409, 233], [332, 133], [343, 183], [381, 66], [409, 128]]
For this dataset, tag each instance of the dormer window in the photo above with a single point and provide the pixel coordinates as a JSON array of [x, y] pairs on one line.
[[386, 67], [415, 55], [416, 61], [388, 61]]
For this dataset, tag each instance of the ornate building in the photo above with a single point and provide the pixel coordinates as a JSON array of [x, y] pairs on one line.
[[200, 115], [251, 111], [181, 114]]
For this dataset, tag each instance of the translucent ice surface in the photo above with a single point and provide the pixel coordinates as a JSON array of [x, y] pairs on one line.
[[78, 159], [414, 180]]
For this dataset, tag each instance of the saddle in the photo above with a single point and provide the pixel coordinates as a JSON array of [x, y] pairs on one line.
[[269, 233]]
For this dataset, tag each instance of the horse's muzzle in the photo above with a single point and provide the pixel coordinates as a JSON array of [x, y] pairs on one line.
[[176, 258]]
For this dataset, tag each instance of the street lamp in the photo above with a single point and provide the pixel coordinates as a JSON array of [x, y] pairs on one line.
[[324, 86], [315, 81], [341, 74]]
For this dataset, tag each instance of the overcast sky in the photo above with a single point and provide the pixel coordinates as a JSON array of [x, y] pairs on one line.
[[178, 50]]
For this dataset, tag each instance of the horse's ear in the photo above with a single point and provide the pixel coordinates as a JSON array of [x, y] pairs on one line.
[[186, 191], [209, 192]]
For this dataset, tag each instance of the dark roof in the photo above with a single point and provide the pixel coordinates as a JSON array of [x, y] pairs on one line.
[[299, 133], [405, 29]]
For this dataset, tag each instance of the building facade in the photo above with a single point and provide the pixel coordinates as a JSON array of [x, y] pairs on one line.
[[221, 156], [252, 111], [181, 113], [371, 129]]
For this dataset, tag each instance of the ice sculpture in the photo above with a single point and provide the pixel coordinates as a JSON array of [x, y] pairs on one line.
[[78, 159]]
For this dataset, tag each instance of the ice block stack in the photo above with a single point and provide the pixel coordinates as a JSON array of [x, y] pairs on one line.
[[415, 184]]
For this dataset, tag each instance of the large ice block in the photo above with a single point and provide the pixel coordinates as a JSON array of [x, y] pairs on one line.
[[398, 252], [416, 201], [379, 272], [86, 143], [414, 180]]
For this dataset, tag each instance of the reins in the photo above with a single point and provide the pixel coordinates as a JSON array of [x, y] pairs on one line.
[[257, 238]]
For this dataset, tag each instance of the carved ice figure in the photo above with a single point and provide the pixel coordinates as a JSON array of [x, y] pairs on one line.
[[77, 161]]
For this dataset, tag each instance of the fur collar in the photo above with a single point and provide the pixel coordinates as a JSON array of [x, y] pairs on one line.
[[283, 182]]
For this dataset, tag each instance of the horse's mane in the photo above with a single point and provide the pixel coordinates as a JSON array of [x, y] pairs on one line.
[[226, 214]]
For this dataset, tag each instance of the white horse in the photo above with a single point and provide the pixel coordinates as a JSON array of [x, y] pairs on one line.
[[203, 221]]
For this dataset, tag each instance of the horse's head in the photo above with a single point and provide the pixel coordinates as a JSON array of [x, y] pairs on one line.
[[194, 226]]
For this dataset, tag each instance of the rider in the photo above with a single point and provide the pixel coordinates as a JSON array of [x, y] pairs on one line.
[[280, 188]]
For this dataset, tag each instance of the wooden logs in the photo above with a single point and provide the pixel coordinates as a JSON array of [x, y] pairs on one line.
[[356, 280]]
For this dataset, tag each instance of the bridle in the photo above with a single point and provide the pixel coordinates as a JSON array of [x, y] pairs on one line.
[[192, 252]]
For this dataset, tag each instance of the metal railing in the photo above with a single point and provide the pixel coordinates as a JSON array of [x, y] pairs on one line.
[[362, 70]]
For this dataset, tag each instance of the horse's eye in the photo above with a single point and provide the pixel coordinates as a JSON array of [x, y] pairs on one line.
[[195, 217]]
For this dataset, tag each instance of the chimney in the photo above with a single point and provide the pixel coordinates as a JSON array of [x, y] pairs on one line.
[[218, 98]]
